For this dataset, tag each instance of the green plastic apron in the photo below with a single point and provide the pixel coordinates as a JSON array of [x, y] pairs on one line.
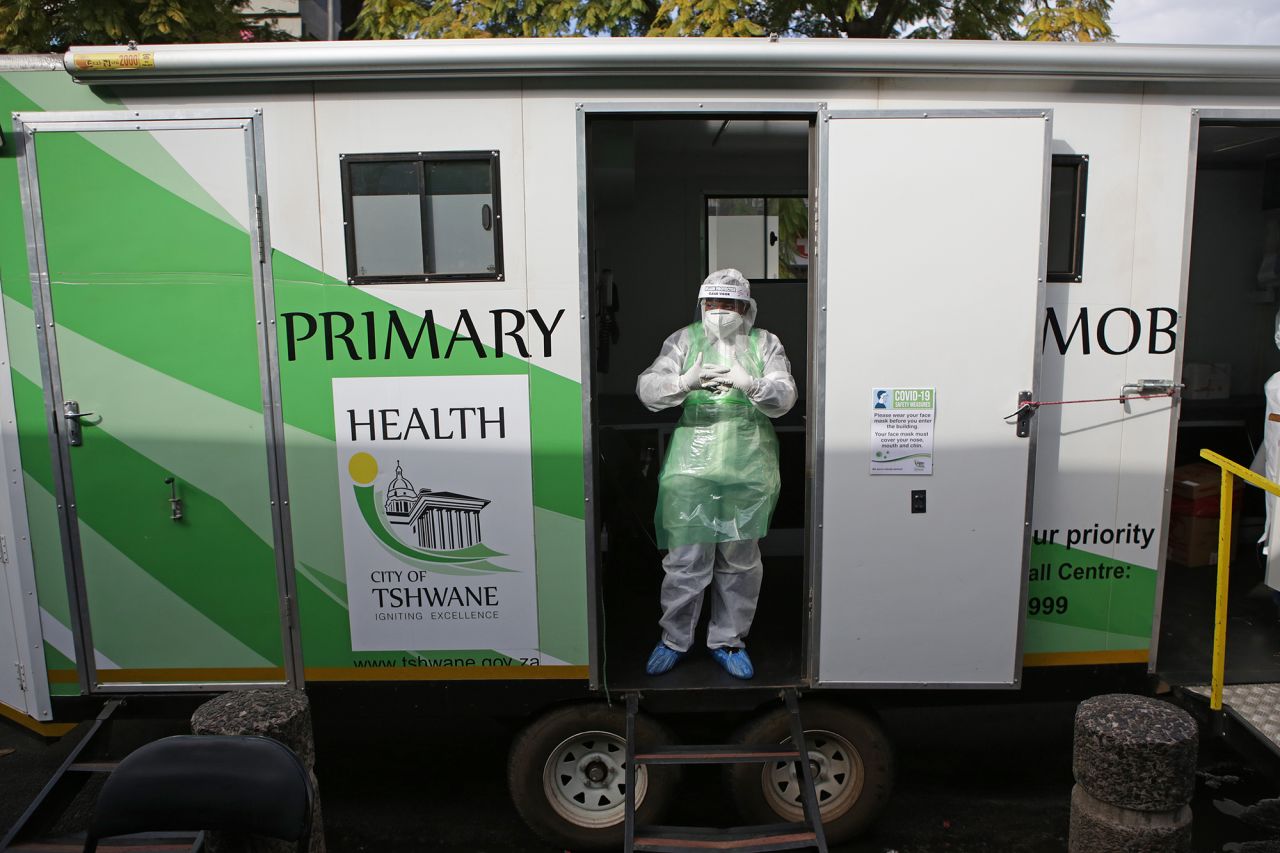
[[720, 481]]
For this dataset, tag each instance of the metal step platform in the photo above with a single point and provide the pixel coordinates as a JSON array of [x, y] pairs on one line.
[[1255, 706], [740, 839]]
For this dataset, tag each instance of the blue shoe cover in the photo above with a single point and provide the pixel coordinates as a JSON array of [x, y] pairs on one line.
[[662, 659], [735, 662]]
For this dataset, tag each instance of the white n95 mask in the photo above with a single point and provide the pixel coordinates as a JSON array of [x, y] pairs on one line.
[[721, 322]]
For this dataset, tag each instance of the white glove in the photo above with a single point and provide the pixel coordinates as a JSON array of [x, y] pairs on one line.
[[738, 377], [700, 376]]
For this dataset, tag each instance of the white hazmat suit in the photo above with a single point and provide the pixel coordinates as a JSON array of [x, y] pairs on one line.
[[1270, 458], [719, 481]]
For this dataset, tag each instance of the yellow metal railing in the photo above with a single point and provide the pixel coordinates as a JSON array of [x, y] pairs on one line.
[[1230, 470]]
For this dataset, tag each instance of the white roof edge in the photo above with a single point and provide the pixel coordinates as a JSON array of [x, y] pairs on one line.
[[677, 56], [31, 62]]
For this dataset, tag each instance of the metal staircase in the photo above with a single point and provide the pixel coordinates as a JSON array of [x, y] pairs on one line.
[[40, 829], [741, 839]]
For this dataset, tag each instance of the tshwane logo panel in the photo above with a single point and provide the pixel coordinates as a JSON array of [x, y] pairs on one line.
[[437, 512]]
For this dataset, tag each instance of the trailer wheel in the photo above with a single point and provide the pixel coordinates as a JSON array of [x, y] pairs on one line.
[[566, 775], [852, 763]]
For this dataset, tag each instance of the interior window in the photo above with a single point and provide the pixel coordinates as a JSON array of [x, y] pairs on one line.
[[422, 217], [764, 237]]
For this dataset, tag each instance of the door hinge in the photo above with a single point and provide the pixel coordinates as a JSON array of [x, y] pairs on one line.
[[257, 217], [4, 549], [288, 613], [22, 676]]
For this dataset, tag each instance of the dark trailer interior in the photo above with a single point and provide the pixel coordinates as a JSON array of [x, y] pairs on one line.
[[1230, 351]]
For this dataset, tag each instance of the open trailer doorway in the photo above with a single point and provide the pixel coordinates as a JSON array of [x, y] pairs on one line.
[[669, 199], [1230, 350]]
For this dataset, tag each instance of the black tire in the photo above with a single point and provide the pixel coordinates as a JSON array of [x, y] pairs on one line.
[[855, 770], [569, 809]]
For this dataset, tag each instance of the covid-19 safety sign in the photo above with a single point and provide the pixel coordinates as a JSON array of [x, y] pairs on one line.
[[902, 430]]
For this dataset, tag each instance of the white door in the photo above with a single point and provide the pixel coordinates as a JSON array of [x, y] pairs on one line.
[[13, 671], [24, 685], [932, 227]]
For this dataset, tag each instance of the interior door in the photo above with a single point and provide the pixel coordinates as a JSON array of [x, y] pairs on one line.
[[150, 263], [932, 228]]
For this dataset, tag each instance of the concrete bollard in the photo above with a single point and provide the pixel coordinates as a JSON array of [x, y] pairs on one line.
[[281, 714], [1134, 761]]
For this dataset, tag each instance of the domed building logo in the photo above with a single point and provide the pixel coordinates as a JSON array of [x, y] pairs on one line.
[[438, 520], [438, 528]]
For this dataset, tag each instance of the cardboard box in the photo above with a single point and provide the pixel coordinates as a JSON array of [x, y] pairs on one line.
[[1197, 488], [1206, 381], [1194, 510], [1193, 540]]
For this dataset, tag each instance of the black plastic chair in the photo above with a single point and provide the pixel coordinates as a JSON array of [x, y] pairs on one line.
[[225, 783]]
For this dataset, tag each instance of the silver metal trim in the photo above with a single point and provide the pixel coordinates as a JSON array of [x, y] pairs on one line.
[[1037, 359], [94, 127], [24, 600], [259, 245], [941, 113], [720, 58], [182, 686], [692, 107], [112, 117], [818, 392], [273, 413], [808, 660], [595, 636], [51, 376], [32, 62], [1234, 114]]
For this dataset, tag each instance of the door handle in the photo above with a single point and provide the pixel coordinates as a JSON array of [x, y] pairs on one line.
[[71, 411]]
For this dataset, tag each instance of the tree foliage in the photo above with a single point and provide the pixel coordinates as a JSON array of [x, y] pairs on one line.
[[37, 26], [1084, 20], [1069, 20]]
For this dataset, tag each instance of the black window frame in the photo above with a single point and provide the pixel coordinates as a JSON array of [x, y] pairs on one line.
[[422, 158], [1075, 273], [764, 197]]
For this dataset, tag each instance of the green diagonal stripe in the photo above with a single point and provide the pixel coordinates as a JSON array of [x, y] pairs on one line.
[[210, 558], [129, 238]]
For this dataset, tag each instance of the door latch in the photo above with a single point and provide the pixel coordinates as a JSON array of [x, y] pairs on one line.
[[175, 502], [1025, 413], [1151, 388], [71, 411]]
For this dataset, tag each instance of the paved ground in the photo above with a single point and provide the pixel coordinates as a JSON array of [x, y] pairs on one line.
[[970, 778]]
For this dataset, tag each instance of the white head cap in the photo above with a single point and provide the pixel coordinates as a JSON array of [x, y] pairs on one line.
[[725, 284]]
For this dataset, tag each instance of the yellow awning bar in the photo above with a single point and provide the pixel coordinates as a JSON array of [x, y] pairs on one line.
[[1230, 470]]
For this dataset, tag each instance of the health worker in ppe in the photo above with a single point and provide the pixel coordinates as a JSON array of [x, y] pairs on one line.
[[1267, 463], [720, 481]]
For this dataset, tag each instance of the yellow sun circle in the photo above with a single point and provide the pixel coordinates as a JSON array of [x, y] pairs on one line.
[[363, 468]]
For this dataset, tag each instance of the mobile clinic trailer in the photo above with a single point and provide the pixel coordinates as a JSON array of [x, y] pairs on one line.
[[320, 363]]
